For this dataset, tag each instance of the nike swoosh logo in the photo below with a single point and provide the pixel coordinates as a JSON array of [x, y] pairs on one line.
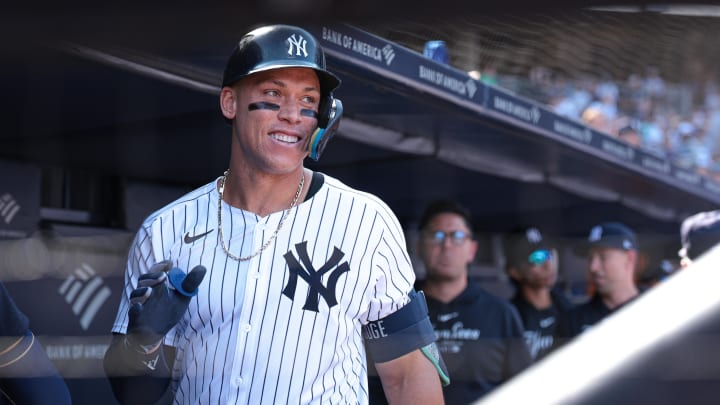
[[447, 317], [190, 239], [544, 323]]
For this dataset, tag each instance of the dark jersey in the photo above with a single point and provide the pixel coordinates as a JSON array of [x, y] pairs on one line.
[[481, 340], [540, 324], [13, 323], [26, 374], [578, 319]]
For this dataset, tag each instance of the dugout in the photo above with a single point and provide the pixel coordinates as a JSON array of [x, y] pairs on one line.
[[105, 129]]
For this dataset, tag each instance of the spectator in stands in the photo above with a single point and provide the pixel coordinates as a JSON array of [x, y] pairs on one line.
[[479, 335], [692, 151], [532, 264], [630, 135], [654, 85], [487, 75], [606, 95], [595, 118], [698, 234], [27, 376], [611, 250]]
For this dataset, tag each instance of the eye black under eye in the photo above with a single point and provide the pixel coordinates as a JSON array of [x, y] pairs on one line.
[[308, 113], [263, 105]]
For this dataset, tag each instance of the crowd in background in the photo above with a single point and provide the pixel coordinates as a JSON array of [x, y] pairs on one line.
[[679, 122]]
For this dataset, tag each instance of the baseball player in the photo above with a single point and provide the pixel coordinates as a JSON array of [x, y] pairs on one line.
[[531, 264], [289, 269], [611, 249], [27, 376]]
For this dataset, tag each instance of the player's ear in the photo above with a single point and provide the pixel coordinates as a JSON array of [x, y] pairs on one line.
[[472, 251], [512, 271], [228, 102]]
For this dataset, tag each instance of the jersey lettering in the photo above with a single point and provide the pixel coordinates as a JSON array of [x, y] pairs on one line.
[[374, 330]]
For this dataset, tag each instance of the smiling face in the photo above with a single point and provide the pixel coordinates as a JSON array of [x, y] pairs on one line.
[[274, 114]]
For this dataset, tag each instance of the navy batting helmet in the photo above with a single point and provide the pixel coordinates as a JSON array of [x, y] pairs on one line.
[[284, 46], [274, 47]]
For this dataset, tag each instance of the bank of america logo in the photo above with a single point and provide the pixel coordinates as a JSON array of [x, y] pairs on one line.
[[86, 292], [8, 208], [388, 53]]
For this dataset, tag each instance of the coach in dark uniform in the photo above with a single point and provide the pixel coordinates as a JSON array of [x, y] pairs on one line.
[[611, 250], [531, 264], [479, 335]]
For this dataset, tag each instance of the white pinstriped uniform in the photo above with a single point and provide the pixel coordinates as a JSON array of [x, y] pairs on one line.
[[243, 341]]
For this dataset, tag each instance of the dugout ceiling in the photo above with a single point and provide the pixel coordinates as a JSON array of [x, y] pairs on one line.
[[414, 130]]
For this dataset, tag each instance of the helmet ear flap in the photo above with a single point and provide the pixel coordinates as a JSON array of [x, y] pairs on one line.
[[329, 113], [324, 110]]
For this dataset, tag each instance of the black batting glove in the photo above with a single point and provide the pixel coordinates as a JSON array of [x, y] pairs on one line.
[[160, 300]]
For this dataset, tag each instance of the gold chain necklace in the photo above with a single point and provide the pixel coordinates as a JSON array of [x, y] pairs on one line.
[[274, 235]]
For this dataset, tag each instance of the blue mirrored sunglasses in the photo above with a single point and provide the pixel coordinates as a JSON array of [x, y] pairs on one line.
[[539, 257], [456, 237]]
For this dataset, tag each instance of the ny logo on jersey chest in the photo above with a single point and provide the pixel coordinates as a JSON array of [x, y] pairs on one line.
[[313, 277]]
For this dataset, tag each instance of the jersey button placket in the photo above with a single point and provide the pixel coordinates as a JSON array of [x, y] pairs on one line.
[[245, 340]]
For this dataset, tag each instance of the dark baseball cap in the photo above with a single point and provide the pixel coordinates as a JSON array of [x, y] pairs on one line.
[[520, 244], [699, 233], [608, 234]]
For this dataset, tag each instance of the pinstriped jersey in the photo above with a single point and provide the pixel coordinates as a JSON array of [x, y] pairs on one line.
[[285, 326]]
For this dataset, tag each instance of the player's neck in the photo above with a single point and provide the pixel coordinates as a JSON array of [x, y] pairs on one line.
[[538, 297], [264, 194], [620, 296], [445, 290]]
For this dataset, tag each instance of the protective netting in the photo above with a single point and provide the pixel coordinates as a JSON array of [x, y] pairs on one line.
[[647, 77]]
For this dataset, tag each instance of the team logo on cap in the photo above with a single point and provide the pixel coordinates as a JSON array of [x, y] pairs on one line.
[[595, 234], [296, 45], [533, 235], [627, 245]]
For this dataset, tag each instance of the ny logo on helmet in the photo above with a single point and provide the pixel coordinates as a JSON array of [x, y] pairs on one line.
[[297, 45]]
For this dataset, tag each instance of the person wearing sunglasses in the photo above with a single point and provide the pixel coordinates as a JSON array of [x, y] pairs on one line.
[[480, 335], [531, 264], [612, 253]]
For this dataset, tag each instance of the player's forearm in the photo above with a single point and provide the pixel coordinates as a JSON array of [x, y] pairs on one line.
[[411, 380], [416, 390], [136, 378]]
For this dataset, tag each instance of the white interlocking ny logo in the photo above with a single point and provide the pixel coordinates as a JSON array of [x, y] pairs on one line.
[[298, 44], [8, 207], [86, 292], [595, 234]]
